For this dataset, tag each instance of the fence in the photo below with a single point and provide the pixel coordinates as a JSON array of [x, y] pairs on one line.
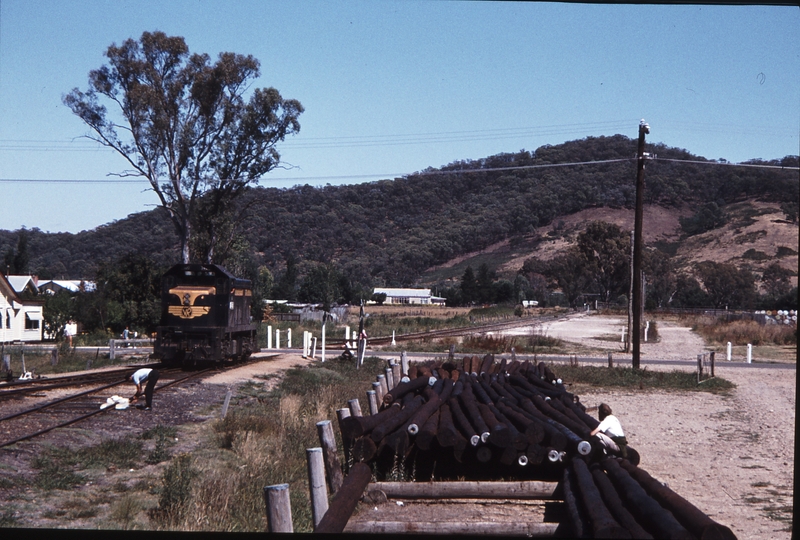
[[129, 346]]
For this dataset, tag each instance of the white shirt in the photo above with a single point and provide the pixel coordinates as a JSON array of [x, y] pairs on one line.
[[611, 426], [141, 376]]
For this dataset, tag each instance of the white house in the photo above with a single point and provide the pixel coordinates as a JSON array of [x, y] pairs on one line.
[[408, 296], [19, 321]]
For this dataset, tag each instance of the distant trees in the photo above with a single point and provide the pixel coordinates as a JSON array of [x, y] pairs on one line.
[[186, 127], [727, 285], [16, 260]]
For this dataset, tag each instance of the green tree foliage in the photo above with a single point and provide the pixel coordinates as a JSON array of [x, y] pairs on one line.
[[727, 286], [660, 278], [605, 250], [262, 290], [707, 218], [776, 280], [688, 293], [469, 287], [322, 284], [58, 310], [187, 127], [16, 260], [128, 294]]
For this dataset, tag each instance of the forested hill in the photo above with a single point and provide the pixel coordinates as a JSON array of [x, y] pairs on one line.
[[389, 232]]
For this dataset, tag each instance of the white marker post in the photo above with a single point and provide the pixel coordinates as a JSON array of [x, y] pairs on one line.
[[323, 342], [289, 338], [729, 351], [277, 338], [749, 353], [269, 337]]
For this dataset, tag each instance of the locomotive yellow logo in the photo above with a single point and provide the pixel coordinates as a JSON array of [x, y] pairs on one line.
[[188, 295]]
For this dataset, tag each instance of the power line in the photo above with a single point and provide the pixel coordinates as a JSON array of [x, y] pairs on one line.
[[753, 165], [421, 173]]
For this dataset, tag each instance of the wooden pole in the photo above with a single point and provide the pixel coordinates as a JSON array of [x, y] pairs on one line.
[[638, 248], [372, 398], [355, 407], [333, 468], [345, 501], [316, 484], [226, 403], [347, 442], [279, 508], [389, 378]]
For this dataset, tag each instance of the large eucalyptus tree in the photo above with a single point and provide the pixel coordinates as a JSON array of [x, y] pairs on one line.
[[184, 123]]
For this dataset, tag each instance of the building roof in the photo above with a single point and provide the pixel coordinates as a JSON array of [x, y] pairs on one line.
[[72, 285], [403, 293], [20, 283]]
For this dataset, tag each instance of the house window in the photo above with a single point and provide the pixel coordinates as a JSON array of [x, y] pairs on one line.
[[31, 323]]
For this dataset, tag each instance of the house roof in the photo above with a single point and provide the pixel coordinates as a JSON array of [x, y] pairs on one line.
[[404, 293], [20, 283], [8, 291]]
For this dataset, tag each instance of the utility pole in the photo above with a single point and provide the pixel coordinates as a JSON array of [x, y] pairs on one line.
[[644, 129]]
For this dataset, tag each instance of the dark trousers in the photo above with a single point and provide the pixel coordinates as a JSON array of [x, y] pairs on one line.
[[152, 379]]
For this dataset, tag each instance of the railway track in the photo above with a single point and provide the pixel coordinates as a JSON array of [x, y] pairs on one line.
[[461, 330], [42, 417]]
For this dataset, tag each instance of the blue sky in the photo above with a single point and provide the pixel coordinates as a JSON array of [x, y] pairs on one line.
[[394, 87]]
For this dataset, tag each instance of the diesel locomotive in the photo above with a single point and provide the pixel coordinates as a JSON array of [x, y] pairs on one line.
[[205, 316]]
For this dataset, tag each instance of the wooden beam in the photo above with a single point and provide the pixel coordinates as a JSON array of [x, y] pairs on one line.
[[466, 490], [534, 530]]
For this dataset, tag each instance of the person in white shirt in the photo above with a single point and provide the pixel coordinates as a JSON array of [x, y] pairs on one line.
[[139, 377], [610, 433]]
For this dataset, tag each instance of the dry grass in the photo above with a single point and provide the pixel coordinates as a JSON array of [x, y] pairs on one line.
[[744, 332]]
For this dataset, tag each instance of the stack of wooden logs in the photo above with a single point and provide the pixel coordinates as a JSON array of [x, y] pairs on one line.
[[613, 498], [516, 414], [490, 417]]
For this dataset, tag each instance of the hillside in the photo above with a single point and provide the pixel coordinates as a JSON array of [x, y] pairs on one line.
[[428, 226], [756, 236]]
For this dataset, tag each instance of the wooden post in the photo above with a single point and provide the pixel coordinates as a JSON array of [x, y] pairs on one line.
[[713, 354], [373, 402], [288, 338], [389, 378], [354, 407], [226, 403], [269, 336], [333, 468], [396, 375], [404, 364], [279, 508], [451, 354], [277, 338], [610, 359], [376, 386], [54, 358], [384, 384], [347, 442], [313, 348], [699, 368], [111, 346], [316, 484]]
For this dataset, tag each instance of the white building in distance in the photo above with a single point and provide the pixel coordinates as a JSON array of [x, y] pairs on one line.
[[409, 296]]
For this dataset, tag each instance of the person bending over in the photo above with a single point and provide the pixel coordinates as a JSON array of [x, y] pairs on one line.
[[140, 377]]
